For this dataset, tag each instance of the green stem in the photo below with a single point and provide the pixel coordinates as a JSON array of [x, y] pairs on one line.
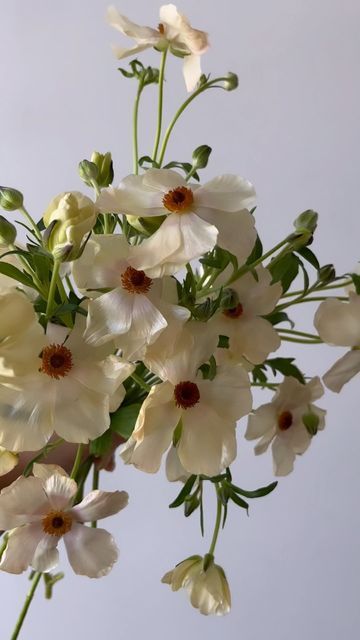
[[268, 385], [95, 486], [325, 288], [303, 299], [67, 318], [32, 222], [135, 128], [217, 524], [34, 583], [140, 382], [287, 339], [160, 104], [77, 462], [43, 453], [302, 334], [52, 289]]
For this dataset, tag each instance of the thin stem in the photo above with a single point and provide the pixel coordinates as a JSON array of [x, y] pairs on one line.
[[301, 300], [43, 453], [32, 222], [135, 128], [77, 462], [160, 104], [34, 583], [52, 289], [302, 334], [140, 382], [217, 524], [66, 317], [95, 486], [268, 385], [287, 339], [324, 288]]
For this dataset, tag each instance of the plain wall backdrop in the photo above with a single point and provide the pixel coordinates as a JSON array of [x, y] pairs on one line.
[[292, 128]]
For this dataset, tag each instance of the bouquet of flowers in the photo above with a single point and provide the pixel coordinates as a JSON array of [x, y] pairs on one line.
[[141, 316]]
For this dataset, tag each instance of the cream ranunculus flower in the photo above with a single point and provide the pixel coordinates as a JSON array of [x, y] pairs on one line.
[[207, 589], [8, 461], [251, 336], [174, 31], [39, 511], [281, 422], [338, 323], [197, 217], [68, 218], [205, 410], [65, 385]]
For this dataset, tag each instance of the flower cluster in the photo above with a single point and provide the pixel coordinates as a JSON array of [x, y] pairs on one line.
[[146, 313]]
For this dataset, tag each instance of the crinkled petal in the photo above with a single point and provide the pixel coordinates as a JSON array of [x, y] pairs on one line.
[[46, 556], [342, 371], [174, 470], [81, 414], [253, 338], [45, 471], [108, 316], [100, 504], [91, 552], [23, 501], [129, 28], [229, 393], [21, 547], [60, 490], [226, 193]]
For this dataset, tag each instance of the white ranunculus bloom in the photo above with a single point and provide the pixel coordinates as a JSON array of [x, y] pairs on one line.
[[338, 323], [8, 461], [281, 422], [197, 217], [174, 31], [208, 589], [251, 336], [66, 386], [207, 411], [39, 512]]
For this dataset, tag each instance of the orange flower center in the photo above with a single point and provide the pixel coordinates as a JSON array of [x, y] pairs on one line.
[[57, 523], [235, 312], [186, 394], [285, 420], [135, 281], [161, 28], [56, 361], [178, 200]]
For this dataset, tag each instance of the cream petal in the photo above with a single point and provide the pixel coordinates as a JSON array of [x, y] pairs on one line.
[[229, 393], [296, 437], [253, 338], [108, 316], [129, 28], [91, 552], [342, 371], [46, 556], [84, 416], [45, 471], [174, 470], [100, 504], [140, 199], [226, 193], [338, 322], [191, 71], [292, 393], [21, 502], [207, 443], [104, 377], [163, 180], [257, 296], [8, 461], [237, 232], [147, 321], [264, 442], [102, 262], [21, 547], [125, 52], [283, 457], [261, 421], [60, 490]]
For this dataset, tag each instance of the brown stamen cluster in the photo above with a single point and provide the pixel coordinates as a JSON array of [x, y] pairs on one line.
[[57, 523], [285, 420], [178, 200], [235, 312], [161, 28], [186, 394], [56, 361], [135, 281]]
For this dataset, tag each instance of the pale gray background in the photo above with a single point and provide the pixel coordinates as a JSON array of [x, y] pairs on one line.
[[293, 129]]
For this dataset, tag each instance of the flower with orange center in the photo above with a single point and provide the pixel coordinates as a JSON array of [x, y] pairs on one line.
[[56, 361], [39, 510], [178, 200], [282, 422]]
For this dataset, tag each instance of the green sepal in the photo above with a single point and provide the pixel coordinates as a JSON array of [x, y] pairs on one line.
[[123, 420]]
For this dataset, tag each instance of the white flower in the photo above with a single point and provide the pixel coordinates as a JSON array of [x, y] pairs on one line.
[[65, 386], [206, 410], [40, 512], [197, 217], [72, 215], [208, 589], [174, 31], [175, 472], [338, 323], [8, 461], [281, 422], [251, 335]]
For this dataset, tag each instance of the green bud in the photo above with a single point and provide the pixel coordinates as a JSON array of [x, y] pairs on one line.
[[200, 157], [104, 164], [63, 253], [7, 232], [229, 299], [88, 172], [10, 199], [311, 422], [306, 221], [326, 273], [232, 81]]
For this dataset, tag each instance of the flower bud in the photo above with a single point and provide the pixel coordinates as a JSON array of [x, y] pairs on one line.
[[200, 157], [69, 217], [311, 422], [232, 81], [10, 199], [104, 164], [326, 274], [7, 232], [88, 172], [306, 221]]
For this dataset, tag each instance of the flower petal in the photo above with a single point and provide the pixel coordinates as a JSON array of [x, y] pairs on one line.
[[60, 490], [283, 457], [108, 316], [342, 371], [21, 546], [22, 502], [91, 552], [226, 193], [261, 421], [191, 71], [338, 322], [46, 556], [100, 504]]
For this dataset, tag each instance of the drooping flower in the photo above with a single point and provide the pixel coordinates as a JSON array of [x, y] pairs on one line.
[[338, 323], [65, 386], [207, 588], [205, 411], [39, 512], [174, 31], [289, 421], [251, 336], [197, 217]]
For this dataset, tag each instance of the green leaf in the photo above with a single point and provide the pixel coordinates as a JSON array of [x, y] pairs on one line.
[[185, 491], [284, 270], [308, 255], [144, 160], [356, 280], [279, 316], [286, 367], [12, 272], [191, 503], [239, 501], [223, 342], [218, 258], [123, 420], [256, 252], [257, 493], [101, 445]]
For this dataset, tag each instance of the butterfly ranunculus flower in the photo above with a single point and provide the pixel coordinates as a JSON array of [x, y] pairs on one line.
[[39, 512], [174, 31], [282, 422], [65, 385], [206, 412], [208, 589], [338, 323], [251, 336], [197, 217]]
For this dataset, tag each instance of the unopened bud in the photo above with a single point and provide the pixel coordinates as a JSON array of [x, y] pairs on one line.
[[200, 157], [311, 422], [10, 199], [306, 221], [326, 274], [104, 164], [232, 81], [7, 232], [88, 172]]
